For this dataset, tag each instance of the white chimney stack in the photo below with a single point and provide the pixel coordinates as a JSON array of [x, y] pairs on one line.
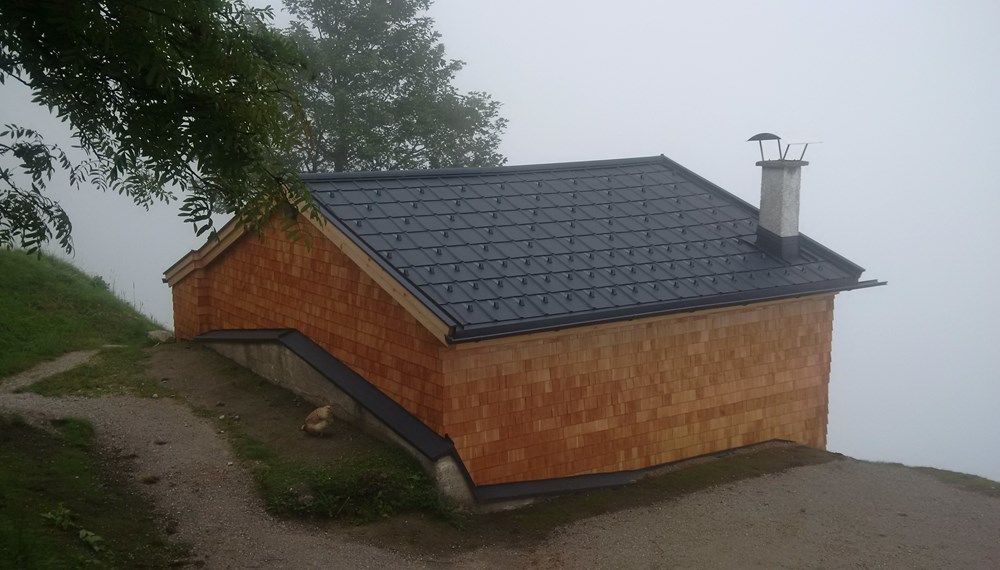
[[780, 184]]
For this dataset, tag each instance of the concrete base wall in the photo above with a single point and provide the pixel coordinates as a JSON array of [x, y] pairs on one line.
[[284, 368]]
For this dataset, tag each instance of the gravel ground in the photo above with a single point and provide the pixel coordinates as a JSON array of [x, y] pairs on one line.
[[842, 514]]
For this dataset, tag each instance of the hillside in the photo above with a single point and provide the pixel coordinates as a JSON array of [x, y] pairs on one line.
[[219, 448], [48, 307]]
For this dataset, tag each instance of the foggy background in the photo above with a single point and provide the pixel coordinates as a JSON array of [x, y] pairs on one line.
[[903, 94]]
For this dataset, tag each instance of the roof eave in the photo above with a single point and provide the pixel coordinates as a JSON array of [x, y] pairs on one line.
[[832, 256], [477, 333], [195, 259]]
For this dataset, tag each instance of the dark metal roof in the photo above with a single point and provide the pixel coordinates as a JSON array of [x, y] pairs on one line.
[[508, 250]]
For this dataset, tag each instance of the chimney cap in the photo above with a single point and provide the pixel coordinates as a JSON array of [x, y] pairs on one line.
[[764, 137], [804, 142]]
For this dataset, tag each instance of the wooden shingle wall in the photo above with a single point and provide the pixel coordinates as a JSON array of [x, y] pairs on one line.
[[595, 399], [637, 394], [185, 296], [274, 283]]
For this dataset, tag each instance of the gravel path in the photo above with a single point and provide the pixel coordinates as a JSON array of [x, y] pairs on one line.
[[842, 514]]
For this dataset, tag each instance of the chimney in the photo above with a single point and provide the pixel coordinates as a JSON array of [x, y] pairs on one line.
[[778, 228]]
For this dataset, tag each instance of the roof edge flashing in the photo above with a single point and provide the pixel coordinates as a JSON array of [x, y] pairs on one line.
[[491, 332]]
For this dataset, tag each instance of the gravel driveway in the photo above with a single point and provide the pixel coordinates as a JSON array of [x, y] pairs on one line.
[[841, 514]]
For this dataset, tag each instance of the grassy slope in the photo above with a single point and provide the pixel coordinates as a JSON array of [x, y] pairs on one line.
[[53, 487], [112, 372], [48, 307]]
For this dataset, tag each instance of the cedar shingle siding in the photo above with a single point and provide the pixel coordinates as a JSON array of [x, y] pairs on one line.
[[633, 395], [585, 400], [273, 283]]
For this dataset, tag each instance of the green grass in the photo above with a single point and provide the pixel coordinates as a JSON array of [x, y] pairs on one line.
[[964, 481], [113, 371], [60, 507], [49, 307], [355, 489]]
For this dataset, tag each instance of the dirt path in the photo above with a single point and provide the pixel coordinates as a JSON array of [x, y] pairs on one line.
[[44, 370], [842, 514], [201, 485]]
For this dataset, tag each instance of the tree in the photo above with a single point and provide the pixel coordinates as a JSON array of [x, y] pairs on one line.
[[162, 96], [379, 91]]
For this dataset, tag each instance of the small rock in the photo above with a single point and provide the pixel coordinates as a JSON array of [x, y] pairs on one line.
[[219, 404], [160, 442], [164, 379], [222, 417], [236, 417], [150, 479], [160, 336], [230, 464], [303, 493], [155, 396]]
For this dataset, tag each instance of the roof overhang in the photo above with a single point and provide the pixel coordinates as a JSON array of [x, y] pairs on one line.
[[489, 332], [201, 257]]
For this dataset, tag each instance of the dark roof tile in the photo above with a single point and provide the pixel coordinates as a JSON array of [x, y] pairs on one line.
[[515, 249]]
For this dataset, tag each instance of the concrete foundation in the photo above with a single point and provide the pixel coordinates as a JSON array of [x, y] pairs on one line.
[[283, 367]]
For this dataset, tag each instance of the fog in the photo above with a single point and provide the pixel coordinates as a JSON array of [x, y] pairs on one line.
[[902, 94]]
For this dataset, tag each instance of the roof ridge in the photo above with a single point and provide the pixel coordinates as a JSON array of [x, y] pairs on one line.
[[467, 171]]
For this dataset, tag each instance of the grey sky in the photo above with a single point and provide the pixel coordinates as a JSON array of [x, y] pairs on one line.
[[903, 94]]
